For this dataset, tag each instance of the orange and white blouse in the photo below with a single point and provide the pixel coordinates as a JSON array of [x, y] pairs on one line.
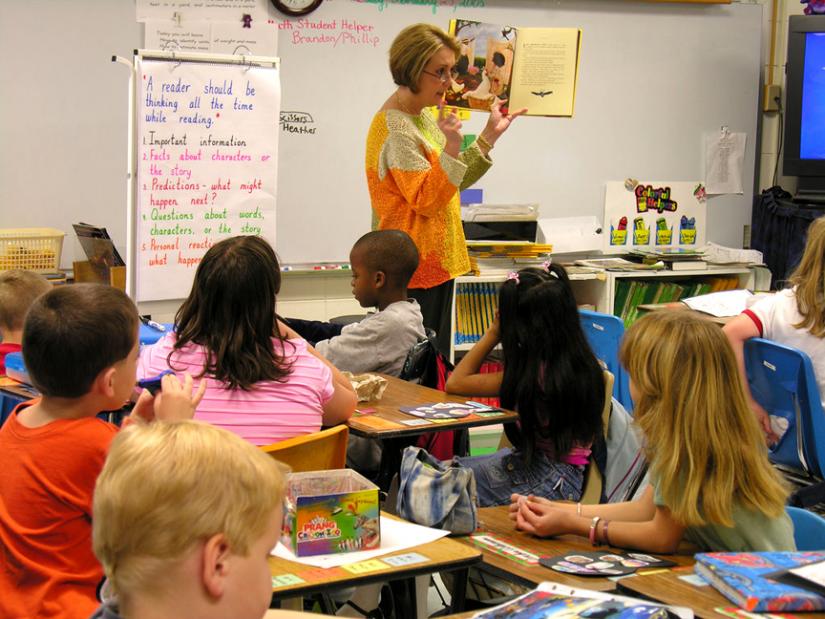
[[414, 187]]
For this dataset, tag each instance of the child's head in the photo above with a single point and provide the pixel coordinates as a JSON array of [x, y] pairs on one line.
[[809, 279], [18, 290], [187, 511], [231, 311], [703, 441], [551, 375], [81, 338], [383, 262]]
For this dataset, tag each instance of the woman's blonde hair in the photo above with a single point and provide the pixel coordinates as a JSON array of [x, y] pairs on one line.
[[809, 280], [412, 49], [706, 450], [167, 486]]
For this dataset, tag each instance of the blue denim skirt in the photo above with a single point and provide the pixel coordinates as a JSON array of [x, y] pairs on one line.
[[505, 472]]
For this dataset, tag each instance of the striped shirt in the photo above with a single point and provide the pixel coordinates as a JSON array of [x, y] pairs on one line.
[[272, 411], [413, 187]]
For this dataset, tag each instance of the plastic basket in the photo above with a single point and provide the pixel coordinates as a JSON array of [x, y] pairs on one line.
[[31, 249]]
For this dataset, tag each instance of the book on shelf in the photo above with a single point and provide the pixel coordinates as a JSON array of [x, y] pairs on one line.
[[534, 68], [550, 600], [687, 265], [750, 579], [619, 264]]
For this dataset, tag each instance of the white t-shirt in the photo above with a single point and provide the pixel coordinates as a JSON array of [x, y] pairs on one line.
[[775, 317]]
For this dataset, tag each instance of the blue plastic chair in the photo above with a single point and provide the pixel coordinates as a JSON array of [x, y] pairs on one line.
[[604, 333], [808, 529], [782, 380]]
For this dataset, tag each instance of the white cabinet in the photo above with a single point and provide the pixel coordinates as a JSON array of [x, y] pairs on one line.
[[475, 299]]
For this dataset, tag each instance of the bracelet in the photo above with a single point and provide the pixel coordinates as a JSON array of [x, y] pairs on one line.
[[593, 524], [578, 509], [483, 141], [606, 539]]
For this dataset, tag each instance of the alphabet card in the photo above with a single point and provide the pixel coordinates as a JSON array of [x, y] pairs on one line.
[[653, 214]]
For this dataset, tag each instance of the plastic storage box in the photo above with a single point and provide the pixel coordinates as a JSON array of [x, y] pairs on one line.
[[31, 249]]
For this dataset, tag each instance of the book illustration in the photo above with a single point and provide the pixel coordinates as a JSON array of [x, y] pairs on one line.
[[749, 579], [534, 68], [598, 563], [542, 604], [446, 410]]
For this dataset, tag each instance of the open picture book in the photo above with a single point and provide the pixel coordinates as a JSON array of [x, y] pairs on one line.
[[534, 68]]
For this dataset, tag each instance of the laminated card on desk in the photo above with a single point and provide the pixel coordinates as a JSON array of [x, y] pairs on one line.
[[570, 235]]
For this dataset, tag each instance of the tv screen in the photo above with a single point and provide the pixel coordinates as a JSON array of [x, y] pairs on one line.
[[804, 142]]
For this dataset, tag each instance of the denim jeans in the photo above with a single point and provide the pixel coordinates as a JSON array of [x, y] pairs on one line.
[[501, 474]]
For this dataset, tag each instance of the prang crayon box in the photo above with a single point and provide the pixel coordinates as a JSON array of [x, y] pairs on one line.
[[328, 512]]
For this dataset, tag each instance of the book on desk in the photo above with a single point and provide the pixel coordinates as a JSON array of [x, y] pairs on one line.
[[749, 579]]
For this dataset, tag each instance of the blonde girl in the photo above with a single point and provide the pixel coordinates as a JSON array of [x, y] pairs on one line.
[[794, 317], [712, 484]]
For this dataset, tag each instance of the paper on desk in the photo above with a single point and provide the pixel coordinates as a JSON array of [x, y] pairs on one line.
[[720, 304], [395, 535]]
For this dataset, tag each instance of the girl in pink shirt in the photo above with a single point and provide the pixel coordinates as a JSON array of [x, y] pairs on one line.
[[264, 382]]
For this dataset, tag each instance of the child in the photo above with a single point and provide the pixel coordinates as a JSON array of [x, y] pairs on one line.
[[174, 546], [382, 263], [80, 345], [552, 379], [711, 482], [794, 317], [18, 290], [263, 381]]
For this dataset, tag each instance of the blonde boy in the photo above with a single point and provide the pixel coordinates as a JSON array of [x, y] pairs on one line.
[[80, 344], [185, 515], [18, 290]]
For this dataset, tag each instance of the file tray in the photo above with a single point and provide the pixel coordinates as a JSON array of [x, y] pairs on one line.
[[328, 512]]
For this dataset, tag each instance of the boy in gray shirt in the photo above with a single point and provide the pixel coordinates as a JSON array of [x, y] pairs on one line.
[[383, 261]]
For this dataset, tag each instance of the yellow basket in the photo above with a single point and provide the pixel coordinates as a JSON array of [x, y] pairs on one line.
[[31, 249]]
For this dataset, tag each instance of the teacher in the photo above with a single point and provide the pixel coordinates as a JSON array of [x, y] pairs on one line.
[[415, 168]]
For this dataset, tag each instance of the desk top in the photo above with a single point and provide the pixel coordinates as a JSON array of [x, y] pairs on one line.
[[386, 421], [667, 587], [494, 520], [291, 578]]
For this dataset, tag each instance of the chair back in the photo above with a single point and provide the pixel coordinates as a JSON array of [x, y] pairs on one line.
[[319, 451], [604, 333], [593, 480], [808, 529], [782, 380]]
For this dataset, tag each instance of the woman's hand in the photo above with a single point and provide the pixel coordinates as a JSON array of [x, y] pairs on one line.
[[499, 122], [450, 126]]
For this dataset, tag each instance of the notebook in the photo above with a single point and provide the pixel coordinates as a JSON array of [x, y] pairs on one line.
[[749, 579]]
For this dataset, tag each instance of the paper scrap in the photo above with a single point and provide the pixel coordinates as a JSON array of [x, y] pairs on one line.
[[365, 567], [284, 580], [410, 558]]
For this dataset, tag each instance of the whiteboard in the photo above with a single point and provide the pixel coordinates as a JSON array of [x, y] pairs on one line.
[[207, 153], [653, 78]]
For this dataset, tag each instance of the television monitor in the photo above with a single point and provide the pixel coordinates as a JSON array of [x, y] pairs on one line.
[[804, 143]]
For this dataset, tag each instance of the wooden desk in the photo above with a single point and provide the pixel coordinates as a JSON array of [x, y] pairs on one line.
[[386, 421], [667, 587], [444, 555], [495, 520]]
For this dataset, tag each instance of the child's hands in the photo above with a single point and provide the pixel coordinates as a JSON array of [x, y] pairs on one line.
[[495, 328], [173, 402], [765, 423], [541, 518]]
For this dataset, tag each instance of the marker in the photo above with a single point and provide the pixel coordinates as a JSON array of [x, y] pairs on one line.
[[154, 325]]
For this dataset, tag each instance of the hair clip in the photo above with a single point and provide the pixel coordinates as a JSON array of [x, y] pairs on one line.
[[514, 276], [546, 265]]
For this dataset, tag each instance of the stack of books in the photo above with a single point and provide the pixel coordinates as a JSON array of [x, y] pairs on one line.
[[630, 293], [487, 256], [675, 258]]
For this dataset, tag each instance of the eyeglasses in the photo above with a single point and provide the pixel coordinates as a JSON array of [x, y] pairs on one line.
[[443, 74]]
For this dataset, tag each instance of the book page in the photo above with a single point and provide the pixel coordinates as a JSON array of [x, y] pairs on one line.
[[545, 71], [813, 572]]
